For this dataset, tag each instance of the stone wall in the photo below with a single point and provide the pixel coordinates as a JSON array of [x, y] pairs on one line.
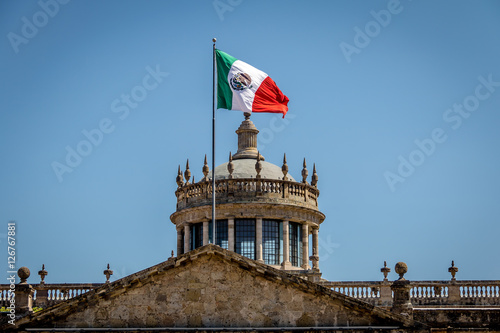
[[460, 317]]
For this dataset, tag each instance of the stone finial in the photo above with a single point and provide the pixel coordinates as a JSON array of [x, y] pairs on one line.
[[258, 166], [314, 178], [205, 170], [172, 254], [179, 180], [385, 270], [247, 139], [187, 173], [42, 274], [108, 273], [401, 268], [230, 166], [305, 173], [453, 270], [284, 168], [23, 273]]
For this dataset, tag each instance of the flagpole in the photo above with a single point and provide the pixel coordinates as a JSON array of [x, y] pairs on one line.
[[213, 145]]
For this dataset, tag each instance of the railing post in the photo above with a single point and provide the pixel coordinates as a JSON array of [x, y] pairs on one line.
[[24, 293], [41, 290], [41, 296], [385, 287], [401, 288], [185, 196], [453, 293], [453, 289], [285, 189], [385, 294]]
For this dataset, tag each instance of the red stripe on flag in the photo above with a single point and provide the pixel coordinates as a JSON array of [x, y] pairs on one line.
[[269, 98]]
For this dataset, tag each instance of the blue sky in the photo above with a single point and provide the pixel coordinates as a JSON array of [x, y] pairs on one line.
[[397, 103]]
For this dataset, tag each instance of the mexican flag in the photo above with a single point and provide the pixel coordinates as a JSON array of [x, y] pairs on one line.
[[245, 88]]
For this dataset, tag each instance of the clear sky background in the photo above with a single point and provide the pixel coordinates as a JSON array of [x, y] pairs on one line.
[[362, 92]]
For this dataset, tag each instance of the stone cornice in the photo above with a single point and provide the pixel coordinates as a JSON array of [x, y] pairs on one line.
[[249, 210]]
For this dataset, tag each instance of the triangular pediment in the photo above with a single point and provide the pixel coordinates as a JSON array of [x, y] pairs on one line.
[[213, 287]]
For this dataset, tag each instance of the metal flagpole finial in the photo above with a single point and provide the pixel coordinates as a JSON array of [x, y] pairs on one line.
[[214, 39]]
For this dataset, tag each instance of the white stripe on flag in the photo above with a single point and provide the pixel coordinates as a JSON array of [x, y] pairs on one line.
[[243, 99]]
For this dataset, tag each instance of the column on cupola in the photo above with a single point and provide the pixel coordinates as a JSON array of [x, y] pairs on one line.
[[205, 233], [187, 238], [259, 239], [230, 234], [286, 246], [315, 248], [180, 245], [305, 246]]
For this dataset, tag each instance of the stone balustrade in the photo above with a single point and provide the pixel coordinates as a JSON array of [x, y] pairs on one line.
[[360, 290], [424, 293], [50, 294], [248, 190]]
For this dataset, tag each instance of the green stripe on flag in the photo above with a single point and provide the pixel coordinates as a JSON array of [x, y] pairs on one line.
[[224, 92]]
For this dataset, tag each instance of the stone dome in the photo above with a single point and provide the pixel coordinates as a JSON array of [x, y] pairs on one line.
[[245, 168]]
